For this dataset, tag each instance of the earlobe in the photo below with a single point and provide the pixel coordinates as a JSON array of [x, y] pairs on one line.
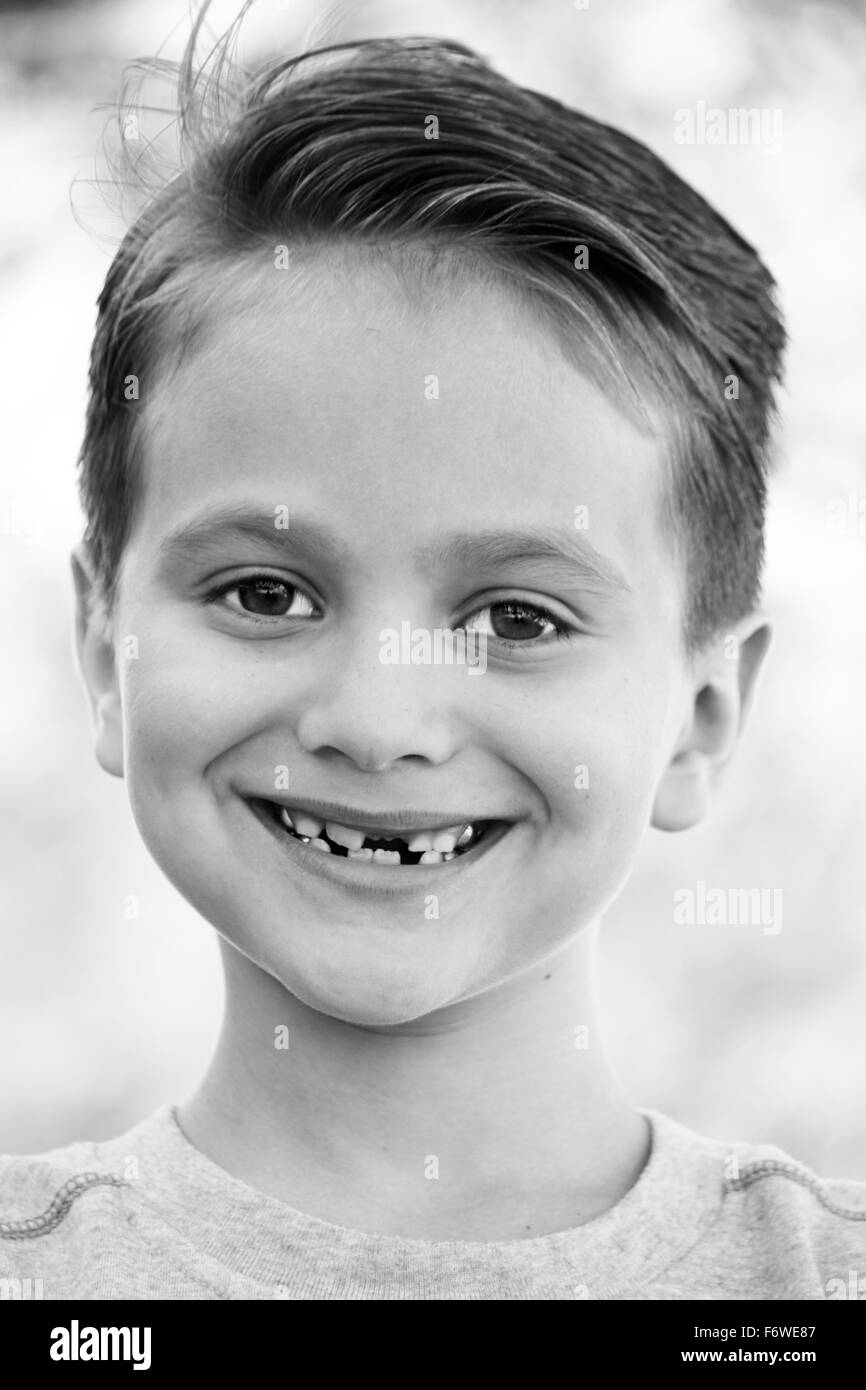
[[96, 660], [108, 734], [683, 795], [723, 687]]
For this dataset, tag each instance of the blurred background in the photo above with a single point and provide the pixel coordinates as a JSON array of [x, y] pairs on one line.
[[110, 988]]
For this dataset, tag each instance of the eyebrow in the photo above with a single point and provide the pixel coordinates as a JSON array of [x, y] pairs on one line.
[[530, 546], [216, 528]]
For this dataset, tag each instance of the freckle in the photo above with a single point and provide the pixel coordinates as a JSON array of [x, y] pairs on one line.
[[547, 977]]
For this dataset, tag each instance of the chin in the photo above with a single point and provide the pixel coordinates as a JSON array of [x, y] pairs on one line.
[[376, 1004]]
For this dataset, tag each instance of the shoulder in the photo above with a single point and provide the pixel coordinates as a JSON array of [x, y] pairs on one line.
[[38, 1191], [64, 1213], [799, 1211], [777, 1228]]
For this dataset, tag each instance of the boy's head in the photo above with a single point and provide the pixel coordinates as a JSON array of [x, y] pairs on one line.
[[394, 311]]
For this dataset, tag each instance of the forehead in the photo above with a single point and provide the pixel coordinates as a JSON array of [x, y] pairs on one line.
[[422, 407]]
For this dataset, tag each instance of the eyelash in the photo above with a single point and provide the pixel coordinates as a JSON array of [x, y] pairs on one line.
[[562, 631]]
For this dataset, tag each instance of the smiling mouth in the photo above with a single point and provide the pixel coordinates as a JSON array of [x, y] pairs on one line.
[[413, 847]]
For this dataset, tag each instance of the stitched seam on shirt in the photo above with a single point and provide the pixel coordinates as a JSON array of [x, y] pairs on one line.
[[645, 1280], [188, 1256], [776, 1167], [59, 1208]]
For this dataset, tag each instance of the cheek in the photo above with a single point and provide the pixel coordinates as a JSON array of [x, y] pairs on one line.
[[182, 707], [591, 748], [592, 752]]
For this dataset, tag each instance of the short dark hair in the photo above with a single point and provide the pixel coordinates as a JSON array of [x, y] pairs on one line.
[[333, 145]]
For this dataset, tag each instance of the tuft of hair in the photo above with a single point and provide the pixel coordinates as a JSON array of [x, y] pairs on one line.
[[412, 148]]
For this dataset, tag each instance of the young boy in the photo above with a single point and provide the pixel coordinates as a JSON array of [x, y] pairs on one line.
[[421, 576]]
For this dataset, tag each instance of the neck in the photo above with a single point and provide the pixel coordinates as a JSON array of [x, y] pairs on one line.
[[504, 1103]]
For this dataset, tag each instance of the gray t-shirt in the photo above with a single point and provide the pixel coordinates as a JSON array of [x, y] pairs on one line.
[[149, 1216]]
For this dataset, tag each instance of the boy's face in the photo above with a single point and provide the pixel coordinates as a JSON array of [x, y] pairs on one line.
[[411, 436]]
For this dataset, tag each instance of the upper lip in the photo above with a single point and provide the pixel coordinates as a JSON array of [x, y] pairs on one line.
[[395, 821]]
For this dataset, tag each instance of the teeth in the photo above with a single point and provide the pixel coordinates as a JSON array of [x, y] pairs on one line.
[[307, 825], [445, 841], [423, 840], [434, 846], [344, 835]]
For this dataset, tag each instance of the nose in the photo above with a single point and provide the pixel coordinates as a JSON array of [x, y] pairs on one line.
[[377, 714]]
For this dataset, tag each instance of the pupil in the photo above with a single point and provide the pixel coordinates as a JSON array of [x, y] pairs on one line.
[[267, 597], [509, 621]]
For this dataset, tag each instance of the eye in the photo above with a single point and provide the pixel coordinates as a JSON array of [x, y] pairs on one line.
[[515, 623], [263, 596]]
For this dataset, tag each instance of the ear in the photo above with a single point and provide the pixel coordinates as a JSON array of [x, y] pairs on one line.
[[721, 689], [94, 646]]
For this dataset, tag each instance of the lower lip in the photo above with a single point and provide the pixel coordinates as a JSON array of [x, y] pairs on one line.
[[367, 874]]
